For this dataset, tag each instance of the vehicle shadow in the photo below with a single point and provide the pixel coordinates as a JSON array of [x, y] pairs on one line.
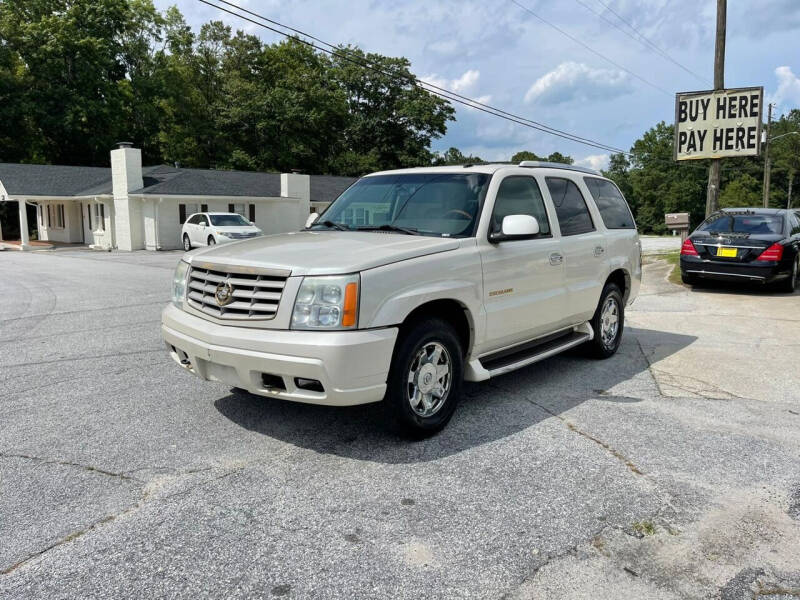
[[488, 411], [739, 288]]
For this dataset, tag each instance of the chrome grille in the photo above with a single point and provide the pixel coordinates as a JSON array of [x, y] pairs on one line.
[[256, 293]]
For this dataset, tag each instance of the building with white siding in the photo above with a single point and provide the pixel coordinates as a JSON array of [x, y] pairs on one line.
[[131, 207]]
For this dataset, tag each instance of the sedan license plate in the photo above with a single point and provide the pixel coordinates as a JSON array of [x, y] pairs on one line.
[[726, 252]]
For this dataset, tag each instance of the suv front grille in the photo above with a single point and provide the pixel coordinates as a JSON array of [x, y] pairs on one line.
[[235, 292]]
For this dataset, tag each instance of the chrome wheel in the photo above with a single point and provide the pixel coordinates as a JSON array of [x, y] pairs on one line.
[[609, 321], [429, 379], [187, 245]]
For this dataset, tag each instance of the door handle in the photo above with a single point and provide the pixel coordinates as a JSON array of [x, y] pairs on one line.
[[556, 259], [599, 250]]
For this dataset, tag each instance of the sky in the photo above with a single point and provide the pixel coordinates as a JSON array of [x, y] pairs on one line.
[[504, 55]]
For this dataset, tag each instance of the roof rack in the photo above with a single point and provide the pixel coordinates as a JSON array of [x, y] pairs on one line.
[[553, 165]]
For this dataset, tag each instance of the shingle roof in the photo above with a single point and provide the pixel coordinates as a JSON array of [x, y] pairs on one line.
[[51, 180], [163, 180], [326, 188]]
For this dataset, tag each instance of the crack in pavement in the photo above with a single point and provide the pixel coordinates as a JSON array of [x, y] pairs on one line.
[[74, 358], [146, 497], [65, 463]]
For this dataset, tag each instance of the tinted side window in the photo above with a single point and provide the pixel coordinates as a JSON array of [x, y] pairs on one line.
[[202, 220], [573, 214], [194, 219], [796, 223], [520, 195], [610, 203]]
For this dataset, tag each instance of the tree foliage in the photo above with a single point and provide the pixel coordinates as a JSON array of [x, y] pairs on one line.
[[76, 76]]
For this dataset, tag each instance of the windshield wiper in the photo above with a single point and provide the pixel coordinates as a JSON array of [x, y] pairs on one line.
[[332, 225], [389, 227]]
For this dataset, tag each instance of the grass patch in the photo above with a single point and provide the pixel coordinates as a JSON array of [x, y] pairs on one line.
[[644, 528], [673, 258]]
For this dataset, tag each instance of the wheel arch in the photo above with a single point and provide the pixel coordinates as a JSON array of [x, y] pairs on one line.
[[622, 279], [449, 310]]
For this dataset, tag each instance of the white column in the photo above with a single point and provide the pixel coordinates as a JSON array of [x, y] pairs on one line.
[[24, 238]]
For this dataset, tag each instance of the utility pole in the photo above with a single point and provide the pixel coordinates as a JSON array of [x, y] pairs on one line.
[[767, 161], [712, 194]]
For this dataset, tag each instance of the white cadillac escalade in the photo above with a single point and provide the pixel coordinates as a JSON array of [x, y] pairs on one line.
[[411, 282]]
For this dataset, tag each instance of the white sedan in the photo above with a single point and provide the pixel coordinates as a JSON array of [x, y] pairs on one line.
[[207, 229]]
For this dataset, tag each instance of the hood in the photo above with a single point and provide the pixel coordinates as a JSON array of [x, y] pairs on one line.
[[324, 252]]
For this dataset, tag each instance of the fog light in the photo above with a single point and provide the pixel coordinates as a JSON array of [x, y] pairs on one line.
[[273, 382], [312, 385]]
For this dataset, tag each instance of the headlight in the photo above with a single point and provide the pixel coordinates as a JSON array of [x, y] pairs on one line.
[[326, 303], [179, 283]]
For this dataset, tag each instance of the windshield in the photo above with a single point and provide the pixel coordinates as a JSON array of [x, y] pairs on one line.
[[443, 204], [229, 220], [743, 223]]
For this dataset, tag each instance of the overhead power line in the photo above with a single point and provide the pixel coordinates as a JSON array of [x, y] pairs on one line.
[[440, 91], [592, 50], [641, 37]]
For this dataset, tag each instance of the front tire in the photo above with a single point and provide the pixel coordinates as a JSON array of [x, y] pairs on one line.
[[211, 240], [425, 378], [187, 243], [607, 323]]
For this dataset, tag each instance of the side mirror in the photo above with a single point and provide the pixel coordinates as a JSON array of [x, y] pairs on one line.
[[312, 218], [516, 227], [251, 223], [203, 225]]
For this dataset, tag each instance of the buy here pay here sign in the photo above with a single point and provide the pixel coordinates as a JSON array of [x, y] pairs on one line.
[[719, 123]]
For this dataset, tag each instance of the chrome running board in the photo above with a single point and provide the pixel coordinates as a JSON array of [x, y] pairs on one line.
[[526, 354]]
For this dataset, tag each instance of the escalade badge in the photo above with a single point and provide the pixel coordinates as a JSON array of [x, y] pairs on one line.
[[224, 293]]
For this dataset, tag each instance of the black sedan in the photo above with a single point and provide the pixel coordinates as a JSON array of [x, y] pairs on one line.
[[745, 244]]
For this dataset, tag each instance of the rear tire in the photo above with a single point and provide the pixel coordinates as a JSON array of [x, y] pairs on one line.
[[425, 378], [607, 323], [790, 285], [688, 279], [187, 244]]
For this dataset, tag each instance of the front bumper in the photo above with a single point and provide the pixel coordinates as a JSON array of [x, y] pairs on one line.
[[352, 366], [763, 272]]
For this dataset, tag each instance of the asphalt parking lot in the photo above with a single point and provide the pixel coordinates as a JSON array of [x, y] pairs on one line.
[[669, 471]]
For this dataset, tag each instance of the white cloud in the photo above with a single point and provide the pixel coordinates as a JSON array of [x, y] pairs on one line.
[[788, 93], [465, 85], [571, 81], [594, 161]]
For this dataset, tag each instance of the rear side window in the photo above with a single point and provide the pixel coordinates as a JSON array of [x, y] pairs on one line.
[[796, 224], [612, 206], [520, 195], [571, 210]]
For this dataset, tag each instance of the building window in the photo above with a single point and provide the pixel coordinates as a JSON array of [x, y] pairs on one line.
[[55, 216], [252, 208], [187, 210], [239, 209], [99, 216]]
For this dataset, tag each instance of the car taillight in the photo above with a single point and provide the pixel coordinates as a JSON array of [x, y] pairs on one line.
[[774, 252], [688, 248]]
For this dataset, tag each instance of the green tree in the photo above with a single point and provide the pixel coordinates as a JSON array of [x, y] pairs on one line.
[[659, 184], [525, 155], [557, 157], [454, 156], [73, 54], [392, 121], [743, 191]]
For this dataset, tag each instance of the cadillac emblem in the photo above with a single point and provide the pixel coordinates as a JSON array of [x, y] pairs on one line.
[[224, 293]]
